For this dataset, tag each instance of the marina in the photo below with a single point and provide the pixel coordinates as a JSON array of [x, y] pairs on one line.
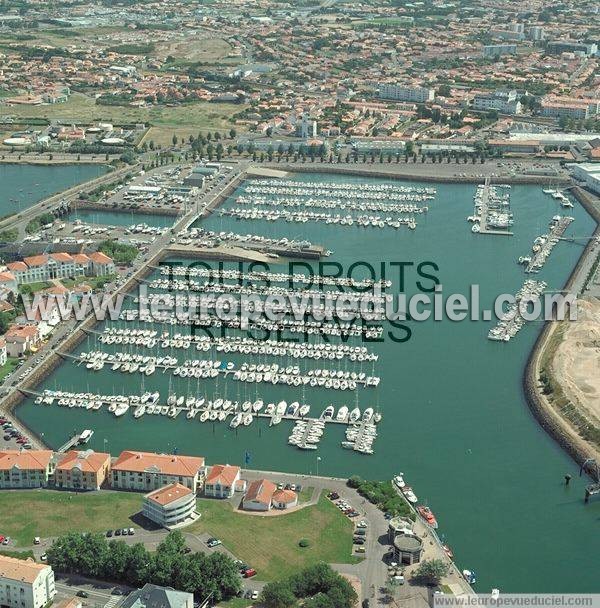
[[513, 320], [454, 413], [544, 244], [306, 434], [492, 213]]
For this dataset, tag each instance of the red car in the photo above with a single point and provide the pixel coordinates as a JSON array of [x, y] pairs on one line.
[[249, 573], [1, 538]]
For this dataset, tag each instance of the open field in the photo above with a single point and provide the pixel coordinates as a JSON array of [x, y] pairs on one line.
[[573, 371], [204, 48], [25, 514], [195, 117], [270, 543]]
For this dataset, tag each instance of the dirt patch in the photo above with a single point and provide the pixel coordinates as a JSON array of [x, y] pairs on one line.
[[576, 362]]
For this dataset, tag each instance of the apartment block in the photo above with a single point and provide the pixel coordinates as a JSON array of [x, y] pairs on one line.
[[146, 471], [25, 468]]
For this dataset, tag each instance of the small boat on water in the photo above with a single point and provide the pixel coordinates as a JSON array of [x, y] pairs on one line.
[[399, 481], [342, 414], [327, 413], [354, 415], [427, 515], [409, 495], [448, 550], [469, 576]]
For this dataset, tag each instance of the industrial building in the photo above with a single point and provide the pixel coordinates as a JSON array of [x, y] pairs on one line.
[[588, 173]]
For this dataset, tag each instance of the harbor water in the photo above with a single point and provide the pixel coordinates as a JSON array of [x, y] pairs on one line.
[[455, 419], [24, 185], [118, 218]]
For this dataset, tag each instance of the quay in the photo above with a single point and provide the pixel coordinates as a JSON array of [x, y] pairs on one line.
[[484, 213], [548, 242]]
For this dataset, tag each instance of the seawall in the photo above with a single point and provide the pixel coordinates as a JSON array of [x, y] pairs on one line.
[[557, 427]]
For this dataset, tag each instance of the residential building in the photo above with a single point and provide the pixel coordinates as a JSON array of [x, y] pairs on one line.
[[22, 339], [25, 468], [25, 584], [556, 47], [102, 265], [221, 481], [46, 267], [259, 495], [82, 470], [536, 33], [505, 102], [145, 471], [497, 50], [170, 506], [153, 596], [570, 107], [400, 93]]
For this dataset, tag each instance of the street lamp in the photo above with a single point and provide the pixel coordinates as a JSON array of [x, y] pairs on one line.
[[318, 460]]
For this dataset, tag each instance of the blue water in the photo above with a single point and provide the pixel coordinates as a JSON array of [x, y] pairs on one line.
[[455, 420]]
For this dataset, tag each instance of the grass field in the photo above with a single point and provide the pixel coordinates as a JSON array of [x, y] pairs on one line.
[[270, 544], [45, 513], [201, 116], [202, 48], [8, 367]]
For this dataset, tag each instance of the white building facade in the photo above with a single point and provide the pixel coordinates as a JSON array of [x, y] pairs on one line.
[[25, 584]]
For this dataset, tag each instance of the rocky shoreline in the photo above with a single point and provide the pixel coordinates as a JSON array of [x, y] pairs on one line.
[[556, 426]]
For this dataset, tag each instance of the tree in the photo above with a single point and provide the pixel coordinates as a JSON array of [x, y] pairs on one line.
[[430, 572], [232, 133], [278, 594], [174, 139]]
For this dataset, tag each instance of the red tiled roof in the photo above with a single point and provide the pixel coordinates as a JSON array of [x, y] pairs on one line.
[[261, 491], [168, 494], [285, 496], [223, 474], [25, 460], [36, 260], [88, 461], [168, 464], [100, 258]]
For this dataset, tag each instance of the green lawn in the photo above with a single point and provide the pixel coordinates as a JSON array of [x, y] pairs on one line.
[[306, 494], [93, 282], [35, 287], [8, 367], [25, 514], [270, 544]]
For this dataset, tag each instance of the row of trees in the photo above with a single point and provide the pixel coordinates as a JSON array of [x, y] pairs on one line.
[[318, 586], [170, 566]]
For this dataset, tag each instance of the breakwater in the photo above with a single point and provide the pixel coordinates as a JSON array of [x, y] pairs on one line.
[[548, 418]]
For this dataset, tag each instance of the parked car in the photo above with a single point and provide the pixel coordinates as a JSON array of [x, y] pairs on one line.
[[131, 531], [254, 595], [82, 593], [36, 540], [358, 540], [6, 540], [117, 532], [360, 532], [249, 573], [213, 542], [109, 533], [43, 557]]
